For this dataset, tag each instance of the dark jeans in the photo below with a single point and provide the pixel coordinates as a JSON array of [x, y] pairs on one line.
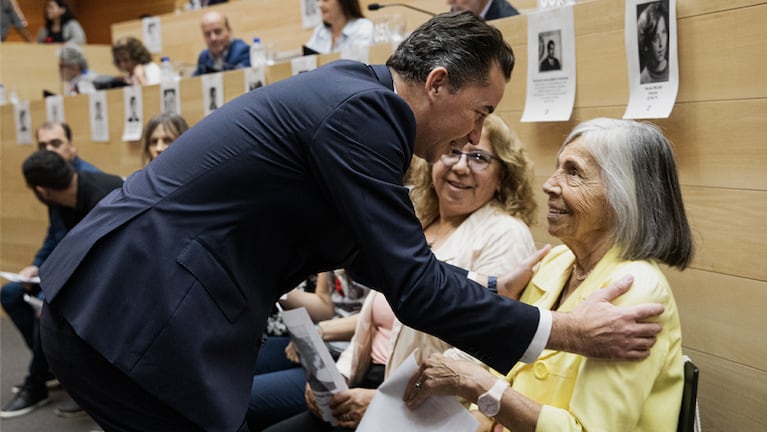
[[307, 422], [24, 318], [114, 401], [277, 390]]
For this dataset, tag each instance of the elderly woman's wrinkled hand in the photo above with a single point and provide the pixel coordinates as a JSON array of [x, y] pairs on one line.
[[440, 375]]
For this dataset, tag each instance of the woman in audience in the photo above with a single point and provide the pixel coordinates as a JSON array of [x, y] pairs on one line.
[[343, 26], [475, 203], [160, 131], [652, 26], [132, 58], [277, 390], [616, 204], [60, 25]]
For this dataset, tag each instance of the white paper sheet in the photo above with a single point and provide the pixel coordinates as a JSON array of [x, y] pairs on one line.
[[170, 97], [212, 92], [134, 109], [99, 116], [54, 109], [254, 78], [15, 277], [23, 120], [152, 34], [651, 95], [303, 64], [310, 14], [551, 65], [387, 412], [321, 371]]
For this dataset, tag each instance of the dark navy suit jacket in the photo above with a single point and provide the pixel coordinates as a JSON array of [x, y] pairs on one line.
[[171, 278], [500, 9], [237, 57]]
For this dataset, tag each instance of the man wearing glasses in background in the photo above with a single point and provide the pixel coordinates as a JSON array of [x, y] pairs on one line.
[[33, 393]]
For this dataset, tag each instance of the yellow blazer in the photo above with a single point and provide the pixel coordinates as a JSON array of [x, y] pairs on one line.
[[580, 393]]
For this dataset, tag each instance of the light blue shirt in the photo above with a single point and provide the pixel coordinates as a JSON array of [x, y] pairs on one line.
[[356, 32]]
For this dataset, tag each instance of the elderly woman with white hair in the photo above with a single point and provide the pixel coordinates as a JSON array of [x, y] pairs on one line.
[[616, 204], [73, 70]]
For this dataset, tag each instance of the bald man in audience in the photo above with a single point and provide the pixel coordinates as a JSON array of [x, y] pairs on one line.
[[223, 53]]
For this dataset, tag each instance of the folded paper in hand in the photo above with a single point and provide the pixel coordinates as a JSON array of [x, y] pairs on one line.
[[15, 277]]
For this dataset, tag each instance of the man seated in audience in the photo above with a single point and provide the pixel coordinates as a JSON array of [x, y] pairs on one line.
[[73, 70], [223, 53], [56, 137], [485, 9]]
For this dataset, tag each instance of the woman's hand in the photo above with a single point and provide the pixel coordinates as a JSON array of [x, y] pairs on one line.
[[291, 354], [440, 375], [512, 284], [349, 406], [311, 403]]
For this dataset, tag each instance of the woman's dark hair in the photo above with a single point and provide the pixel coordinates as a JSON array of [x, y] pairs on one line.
[[173, 124], [68, 15], [351, 9], [135, 49]]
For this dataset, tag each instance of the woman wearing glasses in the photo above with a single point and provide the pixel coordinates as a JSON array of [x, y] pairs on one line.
[[475, 203]]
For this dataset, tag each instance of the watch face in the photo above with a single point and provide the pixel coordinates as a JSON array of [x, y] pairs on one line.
[[488, 405]]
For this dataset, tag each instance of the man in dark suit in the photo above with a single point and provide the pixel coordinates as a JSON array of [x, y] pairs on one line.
[[485, 9], [158, 299], [223, 52]]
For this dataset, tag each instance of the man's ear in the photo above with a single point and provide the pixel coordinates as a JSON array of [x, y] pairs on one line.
[[41, 191], [437, 82]]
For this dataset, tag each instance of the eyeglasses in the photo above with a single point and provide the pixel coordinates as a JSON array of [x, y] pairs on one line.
[[477, 160], [55, 143]]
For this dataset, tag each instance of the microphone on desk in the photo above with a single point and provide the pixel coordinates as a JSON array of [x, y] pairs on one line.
[[376, 6]]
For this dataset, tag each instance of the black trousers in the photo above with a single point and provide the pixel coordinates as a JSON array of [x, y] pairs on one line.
[[114, 401]]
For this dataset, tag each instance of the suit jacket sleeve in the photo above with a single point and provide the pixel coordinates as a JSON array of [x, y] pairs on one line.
[[239, 55], [360, 155]]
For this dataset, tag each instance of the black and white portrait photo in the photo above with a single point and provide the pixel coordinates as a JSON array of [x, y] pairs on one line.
[[550, 51], [653, 38]]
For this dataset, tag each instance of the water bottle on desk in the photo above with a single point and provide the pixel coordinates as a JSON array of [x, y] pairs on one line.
[[166, 70], [257, 54]]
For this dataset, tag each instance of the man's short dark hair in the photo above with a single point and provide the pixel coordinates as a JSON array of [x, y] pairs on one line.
[[461, 42], [47, 169], [550, 44]]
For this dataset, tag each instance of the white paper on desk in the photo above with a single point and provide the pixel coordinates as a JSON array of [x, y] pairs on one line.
[[54, 109], [15, 277], [387, 411], [321, 371]]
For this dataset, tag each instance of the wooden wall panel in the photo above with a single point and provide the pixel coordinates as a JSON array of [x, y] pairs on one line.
[[28, 69], [730, 394], [182, 40], [722, 315]]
